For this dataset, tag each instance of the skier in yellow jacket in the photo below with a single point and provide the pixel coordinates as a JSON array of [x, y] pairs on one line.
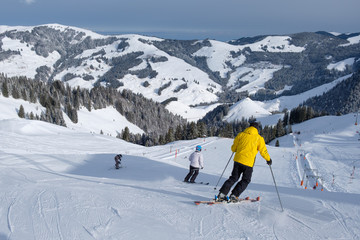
[[246, 145]]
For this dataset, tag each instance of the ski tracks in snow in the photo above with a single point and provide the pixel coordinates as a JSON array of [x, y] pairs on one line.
[[319, 221], [240, 222], [9, 224], [344, 220], [286, 222], [43, 221], [49, 213]]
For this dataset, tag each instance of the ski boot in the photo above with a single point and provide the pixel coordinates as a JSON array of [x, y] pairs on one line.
[[221, 198], [233, 198]]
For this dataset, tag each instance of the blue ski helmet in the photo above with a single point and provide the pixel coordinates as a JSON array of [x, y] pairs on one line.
[[198, 148]]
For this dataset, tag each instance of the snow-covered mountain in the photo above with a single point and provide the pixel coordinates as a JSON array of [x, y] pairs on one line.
[[191, 77]]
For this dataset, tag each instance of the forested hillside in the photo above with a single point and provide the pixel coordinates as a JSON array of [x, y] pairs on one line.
[[59, 98], [160, 126], [345, 98]]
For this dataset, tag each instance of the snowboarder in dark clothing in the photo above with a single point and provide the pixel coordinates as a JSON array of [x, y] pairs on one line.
[[196, 162], [118, 161], [246, 145]]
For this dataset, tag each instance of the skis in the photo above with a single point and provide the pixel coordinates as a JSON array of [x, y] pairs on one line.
[[114, 168], [211, 202], [204, 183]]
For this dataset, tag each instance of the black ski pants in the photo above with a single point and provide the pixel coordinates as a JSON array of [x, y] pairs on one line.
[[193, 172], [238, 169]]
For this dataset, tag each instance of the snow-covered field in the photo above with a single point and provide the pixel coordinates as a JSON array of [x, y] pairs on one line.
[[59, 183]]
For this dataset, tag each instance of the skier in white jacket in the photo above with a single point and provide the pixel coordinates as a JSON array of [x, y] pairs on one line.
[[196, 162]]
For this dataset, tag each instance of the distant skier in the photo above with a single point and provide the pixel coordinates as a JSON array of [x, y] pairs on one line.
[[196, 162], [118, 161], [246, 145]]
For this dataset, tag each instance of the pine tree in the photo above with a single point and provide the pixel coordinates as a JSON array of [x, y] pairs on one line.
[[286, 117], [72, 113], [4, 89], [161, 140], [76, 99], [302, 114], [192, 131], [21, 112], [24, 95], [32, 96], [88, 106], [229, 131], [15, 93], [126, 134], [178, 133], [170, 137], [119, 107], [31, 116], [211, 131], [201, 128], [280, 130], [310, 113]]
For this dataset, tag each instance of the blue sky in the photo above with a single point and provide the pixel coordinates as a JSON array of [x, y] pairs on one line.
[[188, 19]]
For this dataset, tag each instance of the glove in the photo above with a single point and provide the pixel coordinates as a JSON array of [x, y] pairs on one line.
[[269, 162]]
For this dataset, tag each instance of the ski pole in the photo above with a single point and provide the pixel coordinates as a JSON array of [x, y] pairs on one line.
[[224, 170], [276, 188]]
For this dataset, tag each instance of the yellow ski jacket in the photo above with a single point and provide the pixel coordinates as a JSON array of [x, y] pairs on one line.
[[247, 144]]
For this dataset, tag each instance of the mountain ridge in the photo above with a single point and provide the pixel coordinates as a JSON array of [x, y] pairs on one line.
[[189, 72]]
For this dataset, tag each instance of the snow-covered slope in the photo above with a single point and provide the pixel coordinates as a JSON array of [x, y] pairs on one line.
[[248, 108], [25, 63], [267, 112], [107, 120], [60, 184]]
